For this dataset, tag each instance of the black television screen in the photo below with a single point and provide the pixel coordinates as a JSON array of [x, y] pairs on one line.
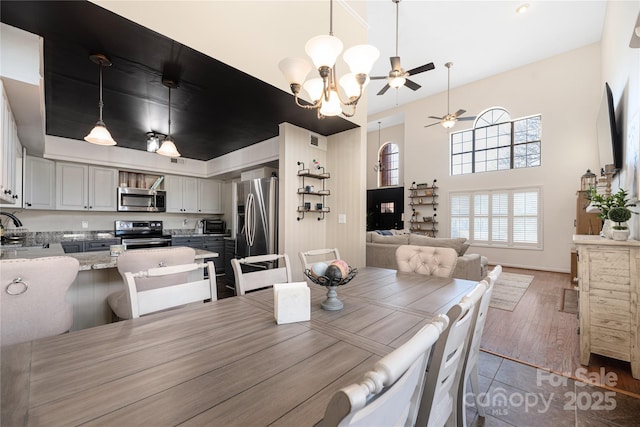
[[609, 142]]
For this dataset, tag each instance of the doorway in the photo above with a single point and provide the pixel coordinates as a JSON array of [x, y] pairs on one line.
[[385, 208]]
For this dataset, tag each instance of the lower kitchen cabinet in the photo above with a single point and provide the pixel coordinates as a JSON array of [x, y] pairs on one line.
[[216, 244], [75, 246], [195, 242]]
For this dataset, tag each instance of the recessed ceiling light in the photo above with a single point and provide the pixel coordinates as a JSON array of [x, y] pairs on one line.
[[522, 8]]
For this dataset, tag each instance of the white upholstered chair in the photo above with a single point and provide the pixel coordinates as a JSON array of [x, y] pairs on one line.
[[428, 260], [470, 367], [308, 258], [193, 289], [389, 394], [133, 261], [438, 404], [258, 273], [34, 297]]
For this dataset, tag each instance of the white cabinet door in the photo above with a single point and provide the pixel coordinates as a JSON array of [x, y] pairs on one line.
[[81, 187], [182, 193], [39, 183], [209, 197], [71, 186], [9, 145], [103, 183]]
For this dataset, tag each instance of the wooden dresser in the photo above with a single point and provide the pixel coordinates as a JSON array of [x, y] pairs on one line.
[[609, 286]]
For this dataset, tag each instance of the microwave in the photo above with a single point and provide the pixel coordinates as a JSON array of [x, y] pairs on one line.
[[141, 200], [213, 226]]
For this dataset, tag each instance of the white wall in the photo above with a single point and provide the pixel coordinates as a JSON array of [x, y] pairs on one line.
[[566, 90]]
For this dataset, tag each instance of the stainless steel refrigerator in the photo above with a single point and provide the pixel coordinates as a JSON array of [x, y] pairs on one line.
[[257, 217]]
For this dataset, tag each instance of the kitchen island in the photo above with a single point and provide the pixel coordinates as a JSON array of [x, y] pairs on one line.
[[97, 278]]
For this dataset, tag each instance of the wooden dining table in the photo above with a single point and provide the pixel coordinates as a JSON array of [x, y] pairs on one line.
[[222, 363]]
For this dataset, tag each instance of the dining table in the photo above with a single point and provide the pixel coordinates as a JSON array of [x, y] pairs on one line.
[[220, 363]]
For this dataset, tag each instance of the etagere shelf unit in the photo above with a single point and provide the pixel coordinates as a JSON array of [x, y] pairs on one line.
[[423, 197], [317, 203]]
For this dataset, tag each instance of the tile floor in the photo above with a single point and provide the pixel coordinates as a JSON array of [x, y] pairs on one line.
[[520, 395]]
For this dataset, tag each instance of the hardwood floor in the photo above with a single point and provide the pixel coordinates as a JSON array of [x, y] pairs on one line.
[[538, 334]]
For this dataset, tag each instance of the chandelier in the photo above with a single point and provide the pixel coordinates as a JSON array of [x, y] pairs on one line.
[[323, 90]]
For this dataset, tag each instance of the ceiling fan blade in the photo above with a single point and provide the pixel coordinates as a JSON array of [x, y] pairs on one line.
[[421, 69], [377, 77], [395, 63], [411, 85], [467, 118], [459, 113], [437, 118], [432, 124], [384, 89]]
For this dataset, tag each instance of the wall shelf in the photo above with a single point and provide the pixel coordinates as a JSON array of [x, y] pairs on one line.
[[423, 222], [313, 200]]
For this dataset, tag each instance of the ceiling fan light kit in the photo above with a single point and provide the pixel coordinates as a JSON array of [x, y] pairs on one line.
[[100, 135], [449, 120], [323, 91]]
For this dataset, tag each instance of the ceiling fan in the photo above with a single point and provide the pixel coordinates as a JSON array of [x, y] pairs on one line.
[[398, 76], [449, 119]]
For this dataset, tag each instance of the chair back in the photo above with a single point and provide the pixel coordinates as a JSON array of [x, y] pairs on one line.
[[445, 366], [389, 395], [133, 261], [175, 295], [428, 260], [33, 298], [261, 275]]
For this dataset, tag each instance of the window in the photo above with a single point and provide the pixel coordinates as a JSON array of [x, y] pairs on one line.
[[387, 207], [389, 157], [496, 143], [509, 218]]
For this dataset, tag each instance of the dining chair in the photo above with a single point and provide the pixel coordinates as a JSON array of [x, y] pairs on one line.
[[438, 403], [389, 394], [133, 261], [470, 365], [308, 258], [428, 260], [193, 289], [260, 271], [34, 301]]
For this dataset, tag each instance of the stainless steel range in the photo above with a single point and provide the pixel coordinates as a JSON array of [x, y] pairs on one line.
[[141, 234]]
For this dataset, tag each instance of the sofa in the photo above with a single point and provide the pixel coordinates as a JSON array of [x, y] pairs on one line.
[[382, 245]]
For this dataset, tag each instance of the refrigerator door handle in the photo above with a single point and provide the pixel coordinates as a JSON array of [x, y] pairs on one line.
[[250, 220]]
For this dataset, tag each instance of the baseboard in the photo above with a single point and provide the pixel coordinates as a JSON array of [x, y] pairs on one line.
[[532, 267]]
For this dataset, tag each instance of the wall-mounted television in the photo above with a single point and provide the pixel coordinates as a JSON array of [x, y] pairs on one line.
[[609, 141]]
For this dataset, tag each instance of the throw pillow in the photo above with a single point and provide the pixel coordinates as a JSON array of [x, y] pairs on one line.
[[457, 244], [384, 232], [390, 240]]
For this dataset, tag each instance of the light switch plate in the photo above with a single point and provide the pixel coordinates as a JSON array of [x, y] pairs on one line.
[[342, 218]]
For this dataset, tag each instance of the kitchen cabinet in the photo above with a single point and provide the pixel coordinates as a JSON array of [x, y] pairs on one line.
[[75, 246], [9, 149], [229, 254], [209, 196], [182, 194], [196, 242], [82, 187], [216, 244], [608, 287], [39, 183]]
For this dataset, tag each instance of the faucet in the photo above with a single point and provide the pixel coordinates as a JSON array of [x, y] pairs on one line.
[[15, 219]]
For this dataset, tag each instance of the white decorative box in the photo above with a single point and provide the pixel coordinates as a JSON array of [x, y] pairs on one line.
[[291, 302]]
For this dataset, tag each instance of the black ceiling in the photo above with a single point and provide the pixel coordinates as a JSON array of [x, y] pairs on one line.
[[215, 110]]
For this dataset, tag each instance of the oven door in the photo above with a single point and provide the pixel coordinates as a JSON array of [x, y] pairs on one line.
[[146, 242]]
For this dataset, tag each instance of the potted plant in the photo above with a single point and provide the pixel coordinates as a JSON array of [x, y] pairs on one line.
[[620, 215], [606, 203]]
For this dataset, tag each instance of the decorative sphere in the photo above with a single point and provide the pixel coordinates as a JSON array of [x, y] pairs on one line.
[[333, 272], [318, 269], [342, 265]]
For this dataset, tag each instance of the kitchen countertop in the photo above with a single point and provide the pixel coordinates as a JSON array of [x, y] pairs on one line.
[[88, 260]]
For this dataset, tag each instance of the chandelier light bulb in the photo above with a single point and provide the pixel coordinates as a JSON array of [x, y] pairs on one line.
[[295, 70], [324, 50], [331, 107], [314, 88], [360, 58]]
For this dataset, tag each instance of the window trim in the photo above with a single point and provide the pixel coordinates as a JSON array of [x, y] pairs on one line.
[[380, 162], [509, 244]]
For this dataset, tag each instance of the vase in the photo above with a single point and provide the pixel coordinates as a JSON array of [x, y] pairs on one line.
[[332, 303], [620, 235], [606, 229]]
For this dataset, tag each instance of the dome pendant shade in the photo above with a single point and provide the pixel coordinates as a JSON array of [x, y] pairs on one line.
[[99, 135], [168, 148]]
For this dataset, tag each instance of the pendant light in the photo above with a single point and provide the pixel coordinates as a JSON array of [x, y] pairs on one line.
[[378, 166], [99, 134], [168, 147]]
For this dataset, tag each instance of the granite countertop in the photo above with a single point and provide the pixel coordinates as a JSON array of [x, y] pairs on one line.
[[88, 260]]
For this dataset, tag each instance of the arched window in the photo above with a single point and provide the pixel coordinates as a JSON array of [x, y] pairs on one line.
[[497, 142], [389, 161]]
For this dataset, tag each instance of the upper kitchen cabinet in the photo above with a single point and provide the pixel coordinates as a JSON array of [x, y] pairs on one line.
[[39, 183], [210, 199], [182, 194], [82, 187], [9, 151]]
